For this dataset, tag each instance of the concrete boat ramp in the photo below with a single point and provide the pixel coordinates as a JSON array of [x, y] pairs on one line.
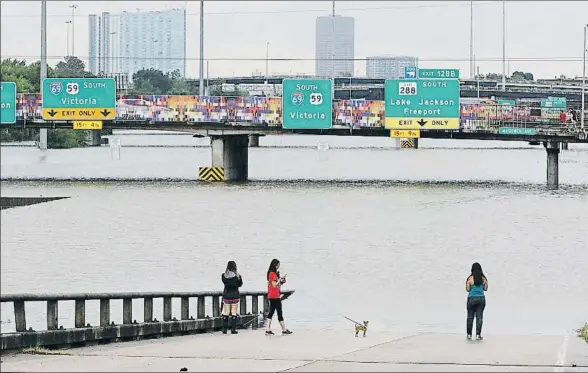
[[312, 351]]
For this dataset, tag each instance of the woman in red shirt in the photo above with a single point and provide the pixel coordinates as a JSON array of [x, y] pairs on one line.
[[274, 282]]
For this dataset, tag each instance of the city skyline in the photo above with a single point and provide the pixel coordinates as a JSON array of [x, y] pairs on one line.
[[127, 42], [236, 34], [389, 67], [334, 46]]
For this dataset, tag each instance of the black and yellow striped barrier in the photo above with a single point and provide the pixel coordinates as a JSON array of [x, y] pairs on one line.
[[212, 173], [407, 143]]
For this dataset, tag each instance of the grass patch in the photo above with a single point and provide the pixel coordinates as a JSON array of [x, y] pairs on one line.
[[43, 351], [583, 332]]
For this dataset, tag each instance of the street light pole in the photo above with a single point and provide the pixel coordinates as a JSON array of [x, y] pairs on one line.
[[503, 45], [67, 24], [583, 120], [201, 83], [43, 75], [73, 31], [267, 60]]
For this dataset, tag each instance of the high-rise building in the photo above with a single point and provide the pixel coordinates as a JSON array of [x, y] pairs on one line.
[[388, 67], [334, 48], [128, 42]]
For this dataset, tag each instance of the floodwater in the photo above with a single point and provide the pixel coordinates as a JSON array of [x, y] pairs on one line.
[[363, 230]]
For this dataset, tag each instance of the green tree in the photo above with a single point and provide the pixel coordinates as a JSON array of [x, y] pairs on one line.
[[494, 76], [151, 81], [66, 139], [179, 85], [521, 75], [71, 67], [26, 77], [18, 135]]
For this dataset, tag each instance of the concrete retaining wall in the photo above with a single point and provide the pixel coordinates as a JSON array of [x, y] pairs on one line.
[[80, 336]]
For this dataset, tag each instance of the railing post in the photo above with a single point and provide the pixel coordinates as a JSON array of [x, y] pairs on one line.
[[200, 310], [148, 310], [185, 308], [52, 315], [80, 311], [243, 306], [255, 310], [127, 311], [215, 306], [104, 312], [167, 309], [20, 319]]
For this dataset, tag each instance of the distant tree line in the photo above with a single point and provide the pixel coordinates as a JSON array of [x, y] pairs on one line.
[[517, 76]]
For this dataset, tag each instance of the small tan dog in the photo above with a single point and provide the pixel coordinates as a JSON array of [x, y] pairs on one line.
[[361, 328]]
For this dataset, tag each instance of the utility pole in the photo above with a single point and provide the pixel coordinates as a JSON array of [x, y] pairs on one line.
[[201, 83], [583, 117], [73, 31], [333, 51], [43, 131], [472, 68], [503, 45]]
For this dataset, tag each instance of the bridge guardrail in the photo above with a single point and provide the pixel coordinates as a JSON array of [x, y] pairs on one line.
[[130, 328], [484, 116]]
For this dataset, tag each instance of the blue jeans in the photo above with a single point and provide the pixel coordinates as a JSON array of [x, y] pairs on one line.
[[475, 307]]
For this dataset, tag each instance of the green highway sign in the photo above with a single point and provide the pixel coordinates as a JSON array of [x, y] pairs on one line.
[[307, 103], [79, 98], [8, 113], [428, 104], [516, 131], [550, 103], [438, 74], [506, 102]]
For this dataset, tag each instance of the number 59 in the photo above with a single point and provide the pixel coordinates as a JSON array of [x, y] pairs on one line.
[[72, 88]]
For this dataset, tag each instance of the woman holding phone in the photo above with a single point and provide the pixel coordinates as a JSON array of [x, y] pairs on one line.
[[274, 283]]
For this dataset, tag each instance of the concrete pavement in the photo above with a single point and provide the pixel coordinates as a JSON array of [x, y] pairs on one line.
[[306, 351]]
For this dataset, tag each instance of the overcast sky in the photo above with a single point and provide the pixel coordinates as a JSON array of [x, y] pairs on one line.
[[538, 32]]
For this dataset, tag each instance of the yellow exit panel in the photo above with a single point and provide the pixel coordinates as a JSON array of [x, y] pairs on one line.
[[87, 125], [422, 123], [78, 114], [405, 134]]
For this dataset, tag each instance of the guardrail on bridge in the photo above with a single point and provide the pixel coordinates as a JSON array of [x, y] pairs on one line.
[[130, 329]]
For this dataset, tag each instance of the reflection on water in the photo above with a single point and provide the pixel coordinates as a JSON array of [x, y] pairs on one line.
[[394, 250]]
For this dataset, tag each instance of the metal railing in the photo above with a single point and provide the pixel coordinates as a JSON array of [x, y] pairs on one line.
[[19, 301]]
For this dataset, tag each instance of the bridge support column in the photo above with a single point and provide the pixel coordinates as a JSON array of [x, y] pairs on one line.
[[231, 152], [254, 141], [564, 146], [43, 139], [93, 138], [552, 148]]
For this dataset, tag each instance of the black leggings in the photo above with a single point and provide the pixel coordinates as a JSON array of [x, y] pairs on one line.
[[475, 306], [275, 305]]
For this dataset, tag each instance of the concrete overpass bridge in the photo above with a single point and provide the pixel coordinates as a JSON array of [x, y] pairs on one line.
[[235, 123]]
